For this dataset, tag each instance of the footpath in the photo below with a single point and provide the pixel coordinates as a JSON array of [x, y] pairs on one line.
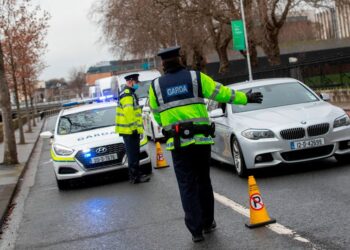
[[10, 175]]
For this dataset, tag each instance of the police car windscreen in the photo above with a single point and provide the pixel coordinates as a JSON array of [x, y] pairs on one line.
[[276, 95], [143, 89], [86, 120]]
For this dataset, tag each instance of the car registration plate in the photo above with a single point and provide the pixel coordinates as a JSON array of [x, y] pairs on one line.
[[306, 144], [104, 158]]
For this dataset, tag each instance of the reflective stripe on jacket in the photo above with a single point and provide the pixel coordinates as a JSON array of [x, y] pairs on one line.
[[128, 113], [179, 97]]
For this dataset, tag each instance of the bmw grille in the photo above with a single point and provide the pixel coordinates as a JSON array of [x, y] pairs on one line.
[[298, 133], [318, 129]]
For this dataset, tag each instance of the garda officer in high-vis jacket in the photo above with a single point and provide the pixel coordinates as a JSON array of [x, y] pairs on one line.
[[177, 102], [129, 126]]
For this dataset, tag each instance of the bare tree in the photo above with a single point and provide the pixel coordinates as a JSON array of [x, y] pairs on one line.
[[24, 28], [8, 26], [77, 80], [141, 27], [272, 17], [10, 149], [29, 46]]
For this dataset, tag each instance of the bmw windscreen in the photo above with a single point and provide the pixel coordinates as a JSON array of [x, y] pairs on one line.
[[277, 95], [86, 120]]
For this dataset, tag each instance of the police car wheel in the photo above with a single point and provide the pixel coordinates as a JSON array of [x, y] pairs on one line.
[[63, 184], [238, 159]]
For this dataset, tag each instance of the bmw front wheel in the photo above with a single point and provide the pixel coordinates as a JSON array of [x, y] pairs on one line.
[[238, 159]]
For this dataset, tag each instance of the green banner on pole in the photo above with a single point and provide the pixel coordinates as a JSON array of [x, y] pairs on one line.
[[238, 35]]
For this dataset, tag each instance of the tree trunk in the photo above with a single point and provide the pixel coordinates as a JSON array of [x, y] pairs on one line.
[[183, 57], [18, 109], [224, 63], [33, 108], [221, 48], [20, 122], [198, 62], [27, 106], [10, 149], [271, 48], [253, 53]]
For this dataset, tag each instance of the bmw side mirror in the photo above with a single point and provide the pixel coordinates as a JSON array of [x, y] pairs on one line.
[[216, 113], [46, 135], [325, 97]]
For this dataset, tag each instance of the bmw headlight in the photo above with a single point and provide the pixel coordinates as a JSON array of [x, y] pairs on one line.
[[256, 134], [344, 120], [62, 150]]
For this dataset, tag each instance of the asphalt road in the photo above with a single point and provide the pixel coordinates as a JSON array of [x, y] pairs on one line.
[[107, 212]]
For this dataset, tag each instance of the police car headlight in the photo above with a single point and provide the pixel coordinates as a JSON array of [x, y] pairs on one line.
[[62, 150], [256, 134], [341, 121]]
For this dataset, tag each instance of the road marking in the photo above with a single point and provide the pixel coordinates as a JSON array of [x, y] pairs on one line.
[[276, 227]]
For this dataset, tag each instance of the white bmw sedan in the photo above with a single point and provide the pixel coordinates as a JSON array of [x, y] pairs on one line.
[[293, 124]]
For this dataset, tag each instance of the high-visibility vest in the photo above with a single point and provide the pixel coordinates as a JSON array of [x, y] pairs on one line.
[[178, 97], [128, 113]]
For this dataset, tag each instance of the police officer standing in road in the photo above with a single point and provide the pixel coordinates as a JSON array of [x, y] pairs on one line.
[[177, 102], [129, 126]]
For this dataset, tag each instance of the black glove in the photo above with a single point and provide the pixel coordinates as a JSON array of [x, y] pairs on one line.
[[255, 97]]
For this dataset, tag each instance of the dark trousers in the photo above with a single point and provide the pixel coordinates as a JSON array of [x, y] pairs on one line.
[[192, 169], [132, 145]]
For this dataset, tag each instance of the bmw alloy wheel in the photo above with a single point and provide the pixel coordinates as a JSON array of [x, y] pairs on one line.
[[238, 158]]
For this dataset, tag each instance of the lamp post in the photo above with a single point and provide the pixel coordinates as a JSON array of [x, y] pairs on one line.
[[246, 43]]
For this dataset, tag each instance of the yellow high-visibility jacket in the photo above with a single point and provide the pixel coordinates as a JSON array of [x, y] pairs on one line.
[[179, 97], [128, 115]]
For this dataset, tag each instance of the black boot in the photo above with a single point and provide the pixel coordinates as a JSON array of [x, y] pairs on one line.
[[141, 179], [211, 228], [197, 238]]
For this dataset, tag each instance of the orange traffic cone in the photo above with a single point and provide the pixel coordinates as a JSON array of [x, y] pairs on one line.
[[161, 162], [258, 213]]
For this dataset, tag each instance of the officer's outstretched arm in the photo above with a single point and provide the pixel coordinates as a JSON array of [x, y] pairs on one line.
[[154, 106], [218, 92]]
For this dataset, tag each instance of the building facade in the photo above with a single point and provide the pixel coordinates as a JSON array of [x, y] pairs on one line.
[[110, 68], [333, 22]]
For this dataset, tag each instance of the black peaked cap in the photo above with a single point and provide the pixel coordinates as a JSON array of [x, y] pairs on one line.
[[132, 77], [169, 52]]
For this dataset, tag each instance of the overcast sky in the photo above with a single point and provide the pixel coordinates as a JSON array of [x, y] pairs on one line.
[[72, 38]]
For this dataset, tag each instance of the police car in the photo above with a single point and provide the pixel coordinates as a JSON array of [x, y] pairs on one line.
[[152, 128], [84, 143]]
